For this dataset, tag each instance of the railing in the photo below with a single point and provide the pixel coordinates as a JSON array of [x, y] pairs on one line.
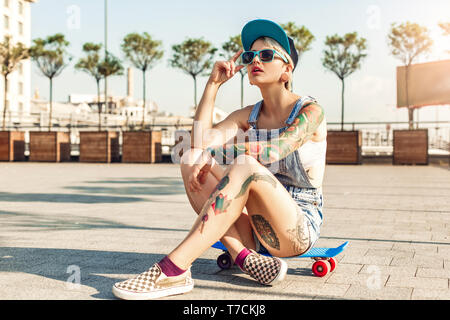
[[377, 137]]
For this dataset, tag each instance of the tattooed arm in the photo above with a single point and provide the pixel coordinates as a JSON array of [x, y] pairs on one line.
[[300, 131]]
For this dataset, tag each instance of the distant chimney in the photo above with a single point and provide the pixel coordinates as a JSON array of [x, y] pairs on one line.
[[130, 83]]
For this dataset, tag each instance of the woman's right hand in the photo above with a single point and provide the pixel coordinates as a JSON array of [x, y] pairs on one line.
[[225, 70], [199, 172]]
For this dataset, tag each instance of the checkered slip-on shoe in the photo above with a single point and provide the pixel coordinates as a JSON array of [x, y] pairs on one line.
[[153, 284], [265, 270]]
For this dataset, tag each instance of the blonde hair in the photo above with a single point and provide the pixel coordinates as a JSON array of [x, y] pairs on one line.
[[272, 43]]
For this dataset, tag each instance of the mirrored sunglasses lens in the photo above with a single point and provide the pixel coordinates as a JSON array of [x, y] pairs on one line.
[[266, 55]]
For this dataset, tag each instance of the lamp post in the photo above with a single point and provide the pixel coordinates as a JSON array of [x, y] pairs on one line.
[[106, 54]]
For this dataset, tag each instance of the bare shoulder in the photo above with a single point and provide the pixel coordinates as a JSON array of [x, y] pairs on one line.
[[240, 116]]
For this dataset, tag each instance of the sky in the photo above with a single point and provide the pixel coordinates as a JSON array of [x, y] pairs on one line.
[[370, 92]]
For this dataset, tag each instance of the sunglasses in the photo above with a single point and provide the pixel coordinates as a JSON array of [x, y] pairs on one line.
[[265, 55]]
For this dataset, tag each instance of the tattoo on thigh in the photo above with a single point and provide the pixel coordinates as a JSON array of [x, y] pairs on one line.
[[255, 177], [266, 231], [299, 236]]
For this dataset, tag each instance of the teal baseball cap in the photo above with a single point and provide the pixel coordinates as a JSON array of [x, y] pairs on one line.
[[267, 28]]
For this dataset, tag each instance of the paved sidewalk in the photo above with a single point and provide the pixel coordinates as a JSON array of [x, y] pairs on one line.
[[100, 223]]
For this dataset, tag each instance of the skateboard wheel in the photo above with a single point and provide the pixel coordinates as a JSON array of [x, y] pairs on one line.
[[224, 261], [320, 268], [333, 263]]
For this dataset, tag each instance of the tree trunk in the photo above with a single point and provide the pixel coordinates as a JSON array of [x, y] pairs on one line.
[[242, 91], [106, 94], [342, 105], [51, 106], [5, 101], [99, 106], [144, 100], [410, 110], [195, 92]]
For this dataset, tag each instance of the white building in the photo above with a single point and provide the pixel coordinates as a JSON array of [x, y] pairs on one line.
[[15, 21]]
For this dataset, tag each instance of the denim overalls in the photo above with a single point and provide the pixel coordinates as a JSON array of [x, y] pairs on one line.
[[290, 172]]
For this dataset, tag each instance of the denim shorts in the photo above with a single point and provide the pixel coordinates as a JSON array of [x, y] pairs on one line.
[[309, 203]]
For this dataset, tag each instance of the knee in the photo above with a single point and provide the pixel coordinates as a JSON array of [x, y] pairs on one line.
[[245, 163]]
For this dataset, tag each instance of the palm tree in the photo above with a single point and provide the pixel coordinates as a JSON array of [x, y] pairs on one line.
[[91, 64], [10, 57], [50, 56], [408, 41], [143, 53], [343, 56], [194, 57], [230, 47]]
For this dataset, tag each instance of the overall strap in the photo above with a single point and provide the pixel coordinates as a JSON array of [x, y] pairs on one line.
[[254, 114]]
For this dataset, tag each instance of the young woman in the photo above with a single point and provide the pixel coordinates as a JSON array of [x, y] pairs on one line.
[[269, 195]]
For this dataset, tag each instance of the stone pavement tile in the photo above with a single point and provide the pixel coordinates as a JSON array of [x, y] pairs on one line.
[[441, 236], [380, 243], [447, 264], [390, 253], [408, 271], [430, 294], [213, 290], [433, 273], [417, 282], [377, 260], [33, 286], [358, 279], [444, 250], [413, 236], [288, 290], [47, 293], [383, 293], [324, 290], [353, 250], [418, 248], [348, 268], [304, 275], [419, 261]]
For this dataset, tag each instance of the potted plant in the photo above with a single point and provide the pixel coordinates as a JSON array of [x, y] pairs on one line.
[[343, 56], [51, 57], [101, 145], [142, 146], [408, 41], [12, 143]]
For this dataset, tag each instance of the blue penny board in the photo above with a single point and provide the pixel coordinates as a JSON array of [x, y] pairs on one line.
[[312, 253]]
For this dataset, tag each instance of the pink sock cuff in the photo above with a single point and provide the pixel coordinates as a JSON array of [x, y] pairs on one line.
[[169, 268], [241, 257]]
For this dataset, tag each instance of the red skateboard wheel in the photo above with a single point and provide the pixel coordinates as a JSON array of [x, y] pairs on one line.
[[333, 263], [321, 267]]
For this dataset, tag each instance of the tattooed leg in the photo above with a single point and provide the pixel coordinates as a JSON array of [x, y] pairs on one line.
[[222, 201], [255, 177], [299, 236], [266, 231], [221, 210]]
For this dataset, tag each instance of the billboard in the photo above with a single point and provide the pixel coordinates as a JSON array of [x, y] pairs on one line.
[[428, 84]]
